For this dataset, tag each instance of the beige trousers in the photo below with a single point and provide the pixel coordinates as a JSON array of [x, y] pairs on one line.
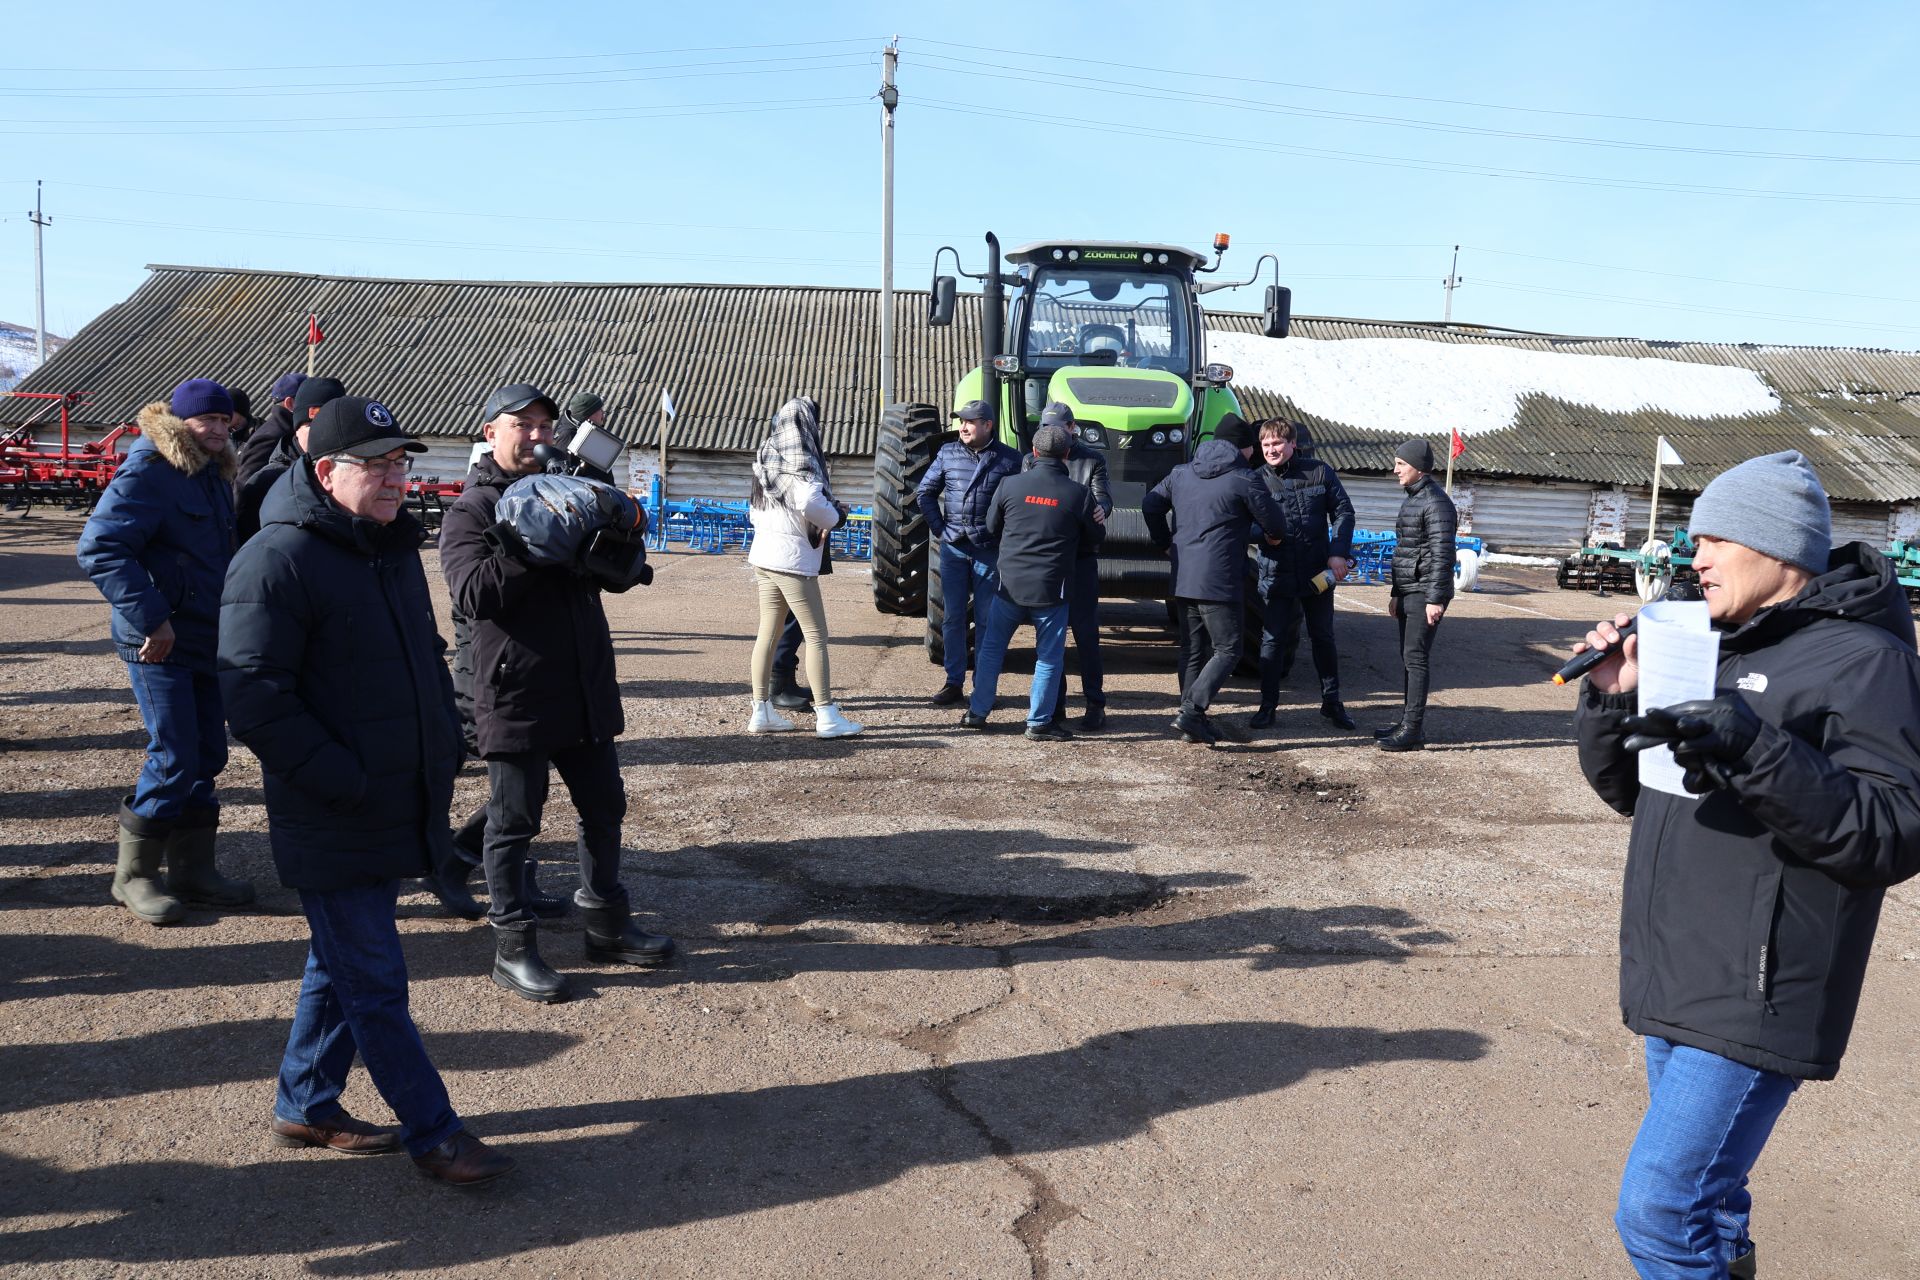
[[781, 593]]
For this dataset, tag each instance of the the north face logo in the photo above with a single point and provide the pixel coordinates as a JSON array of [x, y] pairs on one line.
[[377, 414], [1753, 683]]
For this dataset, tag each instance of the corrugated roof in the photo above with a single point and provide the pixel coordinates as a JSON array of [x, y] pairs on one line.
[[731, 353]]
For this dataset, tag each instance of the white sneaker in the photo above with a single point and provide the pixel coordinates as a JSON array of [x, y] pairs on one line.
[[767, 720], [829, 723]]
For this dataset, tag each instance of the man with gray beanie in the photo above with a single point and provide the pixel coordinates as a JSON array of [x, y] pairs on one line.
[[1040, 519], [1422, 584], [1750, 903]]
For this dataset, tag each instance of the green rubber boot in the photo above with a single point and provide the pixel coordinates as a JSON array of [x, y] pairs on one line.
[[136, 879], [190, 870]]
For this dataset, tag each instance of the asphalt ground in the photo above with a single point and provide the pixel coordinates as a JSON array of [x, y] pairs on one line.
[[948, 1004]]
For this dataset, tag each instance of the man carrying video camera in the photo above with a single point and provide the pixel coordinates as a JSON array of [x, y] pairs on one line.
[[544, 687]]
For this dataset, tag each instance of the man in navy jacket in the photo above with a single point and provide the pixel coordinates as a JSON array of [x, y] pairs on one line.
[[1041, 521], [954, 496]]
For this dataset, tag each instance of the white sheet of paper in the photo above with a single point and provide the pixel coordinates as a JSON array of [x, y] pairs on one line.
[[1679, 657]]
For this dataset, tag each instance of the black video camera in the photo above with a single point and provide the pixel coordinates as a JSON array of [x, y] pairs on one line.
[[589, 452]]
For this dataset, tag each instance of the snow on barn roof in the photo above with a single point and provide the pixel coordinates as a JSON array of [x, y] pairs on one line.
[[1532, 405]]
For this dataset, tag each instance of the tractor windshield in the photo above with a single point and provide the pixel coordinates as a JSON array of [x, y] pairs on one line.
[[1138, 321]]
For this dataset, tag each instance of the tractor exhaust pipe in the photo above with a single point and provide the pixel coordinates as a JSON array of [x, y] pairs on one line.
[[992, 321]]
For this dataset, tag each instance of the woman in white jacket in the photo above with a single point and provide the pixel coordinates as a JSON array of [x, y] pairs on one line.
[[793, 511]]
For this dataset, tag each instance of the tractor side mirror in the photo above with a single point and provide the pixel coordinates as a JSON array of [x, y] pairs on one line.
[[940, 305], [1279, 311]]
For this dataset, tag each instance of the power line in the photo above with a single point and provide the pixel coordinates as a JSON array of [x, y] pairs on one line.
[[1216, 77], [1411, 162], [1000, 71]]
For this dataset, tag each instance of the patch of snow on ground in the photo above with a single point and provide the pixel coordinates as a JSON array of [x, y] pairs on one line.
[[1413, 387]]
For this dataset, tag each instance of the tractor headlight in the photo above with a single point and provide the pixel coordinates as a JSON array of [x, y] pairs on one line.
[[1176, 435], [1008, 365], [1090, 434], [1159, 437]]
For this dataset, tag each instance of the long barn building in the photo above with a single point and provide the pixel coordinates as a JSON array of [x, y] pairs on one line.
[[1560, 431]]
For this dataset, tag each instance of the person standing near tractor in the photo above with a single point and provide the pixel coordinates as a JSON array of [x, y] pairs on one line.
[[954, 496], [158, 545], [1214, 502], [1298, 574], [1422, 584], [1041, 521], [1086, 467]]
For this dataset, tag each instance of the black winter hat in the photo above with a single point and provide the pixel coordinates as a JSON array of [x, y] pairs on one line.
[[1417, 454], [1237, 431], [313, 393]]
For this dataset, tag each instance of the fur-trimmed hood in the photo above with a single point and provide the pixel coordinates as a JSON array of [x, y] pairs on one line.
[[175, 443]]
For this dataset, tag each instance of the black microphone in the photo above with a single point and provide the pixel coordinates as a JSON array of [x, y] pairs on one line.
[[1581, 663]]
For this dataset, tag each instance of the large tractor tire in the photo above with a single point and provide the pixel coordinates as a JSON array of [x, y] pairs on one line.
[[936, 640], [910, 434]]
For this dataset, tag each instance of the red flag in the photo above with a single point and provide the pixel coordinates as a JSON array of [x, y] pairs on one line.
[[313, 330], [1458, 446]]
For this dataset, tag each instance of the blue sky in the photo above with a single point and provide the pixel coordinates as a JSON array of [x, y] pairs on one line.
[[1729, 172]]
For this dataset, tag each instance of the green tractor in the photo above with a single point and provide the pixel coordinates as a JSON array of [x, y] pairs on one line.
[[1114, 331]]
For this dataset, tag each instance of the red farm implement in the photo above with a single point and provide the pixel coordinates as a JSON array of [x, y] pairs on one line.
[[65, 476]]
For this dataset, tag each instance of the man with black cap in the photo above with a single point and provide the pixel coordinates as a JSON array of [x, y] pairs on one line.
[[278, 425], [954, 496], [548, 699], [1085, 466], [252, 491], [1750, 902], [1214, 501], [1422, 584], [332, 672], [1040, 520]]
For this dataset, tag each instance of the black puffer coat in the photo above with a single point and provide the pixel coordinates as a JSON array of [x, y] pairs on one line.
[[1747, 914], [1423, 554], [332, 672], [543, 674], [1319, 525]]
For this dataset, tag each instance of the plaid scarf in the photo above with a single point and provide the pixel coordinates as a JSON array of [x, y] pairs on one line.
[[791, 456]]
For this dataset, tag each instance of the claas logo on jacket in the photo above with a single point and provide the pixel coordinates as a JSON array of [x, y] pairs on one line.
[[1039, 501]]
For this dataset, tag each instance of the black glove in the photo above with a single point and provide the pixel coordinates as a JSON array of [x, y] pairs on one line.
[[1709, 737], [507, 542], [616, 561]]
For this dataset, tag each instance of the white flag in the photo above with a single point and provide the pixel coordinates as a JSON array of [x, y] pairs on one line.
[[666, 403], [1667, 457]]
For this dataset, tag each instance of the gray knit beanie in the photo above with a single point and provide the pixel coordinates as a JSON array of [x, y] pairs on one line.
[[1417, 454], [1773, 504]]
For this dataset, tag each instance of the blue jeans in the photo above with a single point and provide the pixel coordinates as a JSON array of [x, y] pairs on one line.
[[1683, 1198], [967, 575], [186, 740], [353, 999], [1050, 632]]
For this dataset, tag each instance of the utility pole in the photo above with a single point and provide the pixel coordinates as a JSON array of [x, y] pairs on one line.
[[1452, 282], [40, 221], [889, 99]]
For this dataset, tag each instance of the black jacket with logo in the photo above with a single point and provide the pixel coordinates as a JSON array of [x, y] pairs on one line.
[[543, 673], [1088, 467], [1042, 519], [1423, 547], [1747, 914]]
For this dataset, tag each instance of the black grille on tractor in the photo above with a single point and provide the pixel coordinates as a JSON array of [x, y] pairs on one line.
[[1126, 393]]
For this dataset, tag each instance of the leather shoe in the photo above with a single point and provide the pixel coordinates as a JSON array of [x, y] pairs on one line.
[[1332, 709], [1387, 730], [1409, 738], [968, 720], [1094, 719], [1261, 719], [338, 1132], [1051, 731], [949, 695], [464, 1161], [1195, 729]]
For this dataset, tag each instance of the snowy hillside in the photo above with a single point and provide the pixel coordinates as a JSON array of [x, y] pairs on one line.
[[17, 357]]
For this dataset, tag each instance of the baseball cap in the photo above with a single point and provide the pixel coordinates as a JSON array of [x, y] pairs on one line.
[[1057, 415], [974, 411], [359, 426], [514, 397], [287, 384]]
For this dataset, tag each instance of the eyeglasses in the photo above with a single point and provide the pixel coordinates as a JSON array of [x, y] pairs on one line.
[[399, 466]]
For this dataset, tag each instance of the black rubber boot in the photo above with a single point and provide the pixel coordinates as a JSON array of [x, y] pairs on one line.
[[191, 875], [517, 966], [136, 878], [1261, 719], [541, 904], [788, 694], [1334, 710], [613, 938]]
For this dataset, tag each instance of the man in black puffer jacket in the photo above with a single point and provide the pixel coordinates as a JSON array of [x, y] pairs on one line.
[[1422, 584], [1297, 575], [545, 697], [1750, 905], [332, 674]]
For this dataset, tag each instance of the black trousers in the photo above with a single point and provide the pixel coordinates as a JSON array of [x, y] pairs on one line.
[[1210, 633], [1416, 641], [591, 771], [1280, 639], [1083, 619]]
